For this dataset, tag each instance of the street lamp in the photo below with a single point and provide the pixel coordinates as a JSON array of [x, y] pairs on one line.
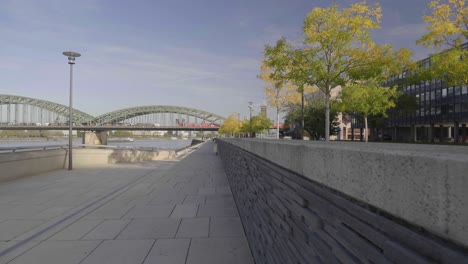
[[250, 107], [71, 60]]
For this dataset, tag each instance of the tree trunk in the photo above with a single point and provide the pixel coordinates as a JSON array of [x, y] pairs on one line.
[[365, 130], [277, 123], [327, 116], [302, 114]]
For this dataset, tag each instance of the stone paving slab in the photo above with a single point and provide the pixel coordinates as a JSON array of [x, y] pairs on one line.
[[193, 227], [12, 228], [184, 210], [174, 212], [150, 211], [168, 251], [57, 252], [219, 250], [226, 227], [216, 210], [108, 229], [120, 252], [76, 230]]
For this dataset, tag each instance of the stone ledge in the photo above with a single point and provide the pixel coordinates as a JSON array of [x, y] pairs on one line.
[[423, 185]]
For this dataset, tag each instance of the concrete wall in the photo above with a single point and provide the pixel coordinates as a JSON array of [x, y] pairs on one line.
[[20, 164], [421, 187], [95, 157]]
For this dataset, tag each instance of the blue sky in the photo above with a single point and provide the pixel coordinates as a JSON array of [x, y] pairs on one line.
[[202, 54]]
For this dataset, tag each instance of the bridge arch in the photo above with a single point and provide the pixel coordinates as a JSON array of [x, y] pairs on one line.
[[127, 113], [78, 117]]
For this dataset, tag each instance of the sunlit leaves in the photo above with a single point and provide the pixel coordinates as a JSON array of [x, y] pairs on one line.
[[447, 29], [231, 126], [447, 25], [367, 98]]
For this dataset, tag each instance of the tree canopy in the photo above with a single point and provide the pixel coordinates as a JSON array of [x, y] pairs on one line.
[[447, 30], [259, 124], [367, 98], [231, 126], [337, 50]]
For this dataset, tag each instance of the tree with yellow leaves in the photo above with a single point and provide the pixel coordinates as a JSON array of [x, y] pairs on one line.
[[367, 98], [282, 87], [279, 92], [231, 126], [447, 31]]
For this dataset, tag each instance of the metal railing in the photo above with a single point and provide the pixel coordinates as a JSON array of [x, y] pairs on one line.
[[65, 147], [31, 148]]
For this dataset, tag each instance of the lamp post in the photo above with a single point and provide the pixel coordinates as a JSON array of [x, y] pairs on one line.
[[250, 129], [71, 60]]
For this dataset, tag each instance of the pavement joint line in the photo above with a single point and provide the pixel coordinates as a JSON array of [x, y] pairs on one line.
[[91, 252], [44, 230], [188, 250], [149, 251], [91, 228]]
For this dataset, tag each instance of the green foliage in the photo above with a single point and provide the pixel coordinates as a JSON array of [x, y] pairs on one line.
[[30, 133], [367, 99], [337, 50], [231, 126], [259, 124], [314, 118], [123, 134], [447, 28]]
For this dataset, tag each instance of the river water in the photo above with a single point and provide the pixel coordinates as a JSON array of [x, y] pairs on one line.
[[163, 144]]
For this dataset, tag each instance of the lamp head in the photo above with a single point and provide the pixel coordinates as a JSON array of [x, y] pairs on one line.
[[71, 56]]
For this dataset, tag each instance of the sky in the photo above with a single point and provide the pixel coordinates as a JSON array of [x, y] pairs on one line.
[[202, 54]]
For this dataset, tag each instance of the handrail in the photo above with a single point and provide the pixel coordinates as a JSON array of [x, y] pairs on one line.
[[31, 148], [116, 147], [50, 147]]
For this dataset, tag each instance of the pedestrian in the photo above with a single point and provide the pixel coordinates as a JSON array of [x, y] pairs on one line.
[[215, 146]]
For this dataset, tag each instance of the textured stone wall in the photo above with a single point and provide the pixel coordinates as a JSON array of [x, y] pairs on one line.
[[291, 219], [425, 185]]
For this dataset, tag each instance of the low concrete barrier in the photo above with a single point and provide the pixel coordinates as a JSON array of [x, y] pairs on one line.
[[27, 163], [20, 164], [353, 202], [89, 157]]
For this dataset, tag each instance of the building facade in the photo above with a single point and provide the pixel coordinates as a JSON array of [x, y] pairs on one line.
[[440, 114]]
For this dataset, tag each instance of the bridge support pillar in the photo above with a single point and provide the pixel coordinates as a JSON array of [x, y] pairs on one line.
[[95, 137]]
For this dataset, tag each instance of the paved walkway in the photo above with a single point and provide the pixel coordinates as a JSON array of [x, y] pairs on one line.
[[157, 212]]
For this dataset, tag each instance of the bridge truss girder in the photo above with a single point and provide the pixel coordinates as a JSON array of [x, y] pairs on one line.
[[77, 116], [123, 114]]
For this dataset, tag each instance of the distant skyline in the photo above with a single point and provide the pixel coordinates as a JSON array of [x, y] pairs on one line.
[[202, 54]]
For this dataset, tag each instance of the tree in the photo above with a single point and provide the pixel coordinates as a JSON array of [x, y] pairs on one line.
[[259, 124], [447, 29], [336, 41], [338, 47], [367, 98], [274, 71], [231, 126]]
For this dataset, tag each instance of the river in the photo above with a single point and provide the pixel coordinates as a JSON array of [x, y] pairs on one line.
[[166, 144]]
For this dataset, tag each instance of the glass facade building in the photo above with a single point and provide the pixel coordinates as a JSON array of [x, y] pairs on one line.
[[441, 112]]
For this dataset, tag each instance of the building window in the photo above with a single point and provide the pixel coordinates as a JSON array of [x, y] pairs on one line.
[[450, 91], [450, 108], [464, 89], [464, 107], [457, 90], [444, 92], [457, 108]]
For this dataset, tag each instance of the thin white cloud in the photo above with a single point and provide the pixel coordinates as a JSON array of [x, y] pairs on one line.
[[411, 30]]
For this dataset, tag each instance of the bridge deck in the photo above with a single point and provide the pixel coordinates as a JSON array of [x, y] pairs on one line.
[[159, 212]]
